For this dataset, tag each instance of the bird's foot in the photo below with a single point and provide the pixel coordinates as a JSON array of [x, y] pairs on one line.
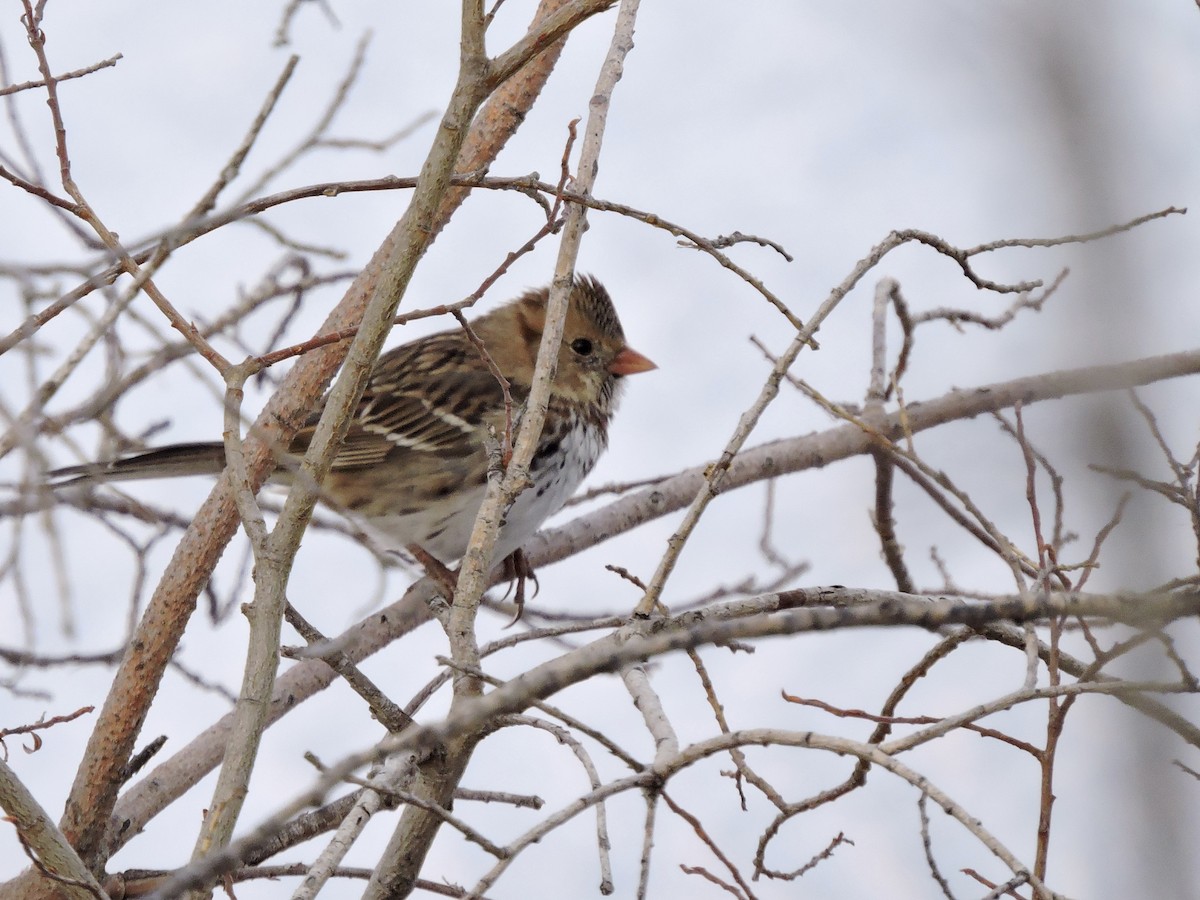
[[518, 570]]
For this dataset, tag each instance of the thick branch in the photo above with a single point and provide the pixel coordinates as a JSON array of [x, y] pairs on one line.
[[769, 615], [148, 797], [819, 450]]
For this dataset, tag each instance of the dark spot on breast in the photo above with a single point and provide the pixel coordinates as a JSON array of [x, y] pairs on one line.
[[547, 450]]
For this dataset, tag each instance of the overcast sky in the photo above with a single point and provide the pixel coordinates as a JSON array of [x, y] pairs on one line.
[[822, 126]]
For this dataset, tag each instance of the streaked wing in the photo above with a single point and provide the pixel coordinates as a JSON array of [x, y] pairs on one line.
[[433, 396]]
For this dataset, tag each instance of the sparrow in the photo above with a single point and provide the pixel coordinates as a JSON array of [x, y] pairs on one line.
[[414, 463]]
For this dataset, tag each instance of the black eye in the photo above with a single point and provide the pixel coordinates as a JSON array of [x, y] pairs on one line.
[[582, 346]]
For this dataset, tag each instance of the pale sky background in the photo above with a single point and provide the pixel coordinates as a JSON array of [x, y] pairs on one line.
[[822, 126]]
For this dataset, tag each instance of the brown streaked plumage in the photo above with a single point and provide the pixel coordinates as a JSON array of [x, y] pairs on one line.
[[413, 463]]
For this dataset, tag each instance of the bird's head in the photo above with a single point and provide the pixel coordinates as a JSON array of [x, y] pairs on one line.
[[593, 356]]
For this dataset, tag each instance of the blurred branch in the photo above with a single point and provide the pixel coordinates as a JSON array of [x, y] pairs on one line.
[[53, 856]]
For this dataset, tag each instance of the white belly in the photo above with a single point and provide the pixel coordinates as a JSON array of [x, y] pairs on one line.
[[444, 529]]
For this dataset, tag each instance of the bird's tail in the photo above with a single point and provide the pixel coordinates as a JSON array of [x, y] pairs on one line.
[[172, 461]]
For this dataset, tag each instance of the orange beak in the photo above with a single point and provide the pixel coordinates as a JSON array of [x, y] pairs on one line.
[[630, 362]]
